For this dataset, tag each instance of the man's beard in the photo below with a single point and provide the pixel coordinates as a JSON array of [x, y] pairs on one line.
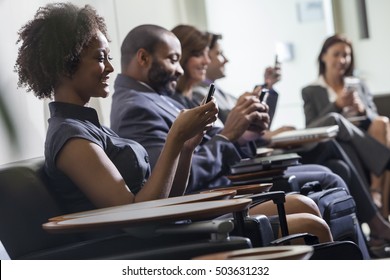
[[160, 80]]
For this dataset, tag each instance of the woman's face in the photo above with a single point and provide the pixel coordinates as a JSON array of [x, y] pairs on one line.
[[91, 77], [197, 66], [337, 59]]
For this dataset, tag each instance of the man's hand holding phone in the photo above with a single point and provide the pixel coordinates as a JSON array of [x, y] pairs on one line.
[[272, 75], [210, 94], [262, 92]]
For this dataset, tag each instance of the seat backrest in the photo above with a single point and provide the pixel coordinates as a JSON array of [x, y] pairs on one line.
[[26, 202]]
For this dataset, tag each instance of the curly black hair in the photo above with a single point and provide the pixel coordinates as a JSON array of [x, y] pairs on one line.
[[52, 44]]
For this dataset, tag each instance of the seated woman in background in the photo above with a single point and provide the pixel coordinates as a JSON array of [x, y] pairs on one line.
[[364, 135], [87, 163]]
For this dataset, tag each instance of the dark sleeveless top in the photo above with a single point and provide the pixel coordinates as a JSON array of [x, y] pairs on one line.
[[72, 121]]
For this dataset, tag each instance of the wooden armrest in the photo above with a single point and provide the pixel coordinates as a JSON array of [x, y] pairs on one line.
[[256, 175], [244, 189], [296, 252]]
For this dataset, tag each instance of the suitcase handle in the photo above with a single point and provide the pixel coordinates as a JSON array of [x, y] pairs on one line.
[[279, 198], [314, 186]]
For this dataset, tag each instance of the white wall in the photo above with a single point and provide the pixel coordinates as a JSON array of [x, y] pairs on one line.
[[250, 30], [372, 54], [27, 111]]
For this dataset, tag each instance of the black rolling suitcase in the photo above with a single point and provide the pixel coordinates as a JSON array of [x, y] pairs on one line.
[[338, 209]]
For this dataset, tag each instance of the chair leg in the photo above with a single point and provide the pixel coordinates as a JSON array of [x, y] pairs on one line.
[[386, 196]]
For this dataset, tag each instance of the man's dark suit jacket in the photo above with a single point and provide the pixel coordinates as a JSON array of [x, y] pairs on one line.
[[140, 114]]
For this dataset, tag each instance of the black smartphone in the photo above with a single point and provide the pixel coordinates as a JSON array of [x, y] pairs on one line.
[[277, 63], [211, 93], [263, 93]]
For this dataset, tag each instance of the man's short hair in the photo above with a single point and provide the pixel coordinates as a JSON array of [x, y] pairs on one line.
[[146, 36]]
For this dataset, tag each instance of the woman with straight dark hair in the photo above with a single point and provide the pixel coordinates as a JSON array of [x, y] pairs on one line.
[[337, 97]]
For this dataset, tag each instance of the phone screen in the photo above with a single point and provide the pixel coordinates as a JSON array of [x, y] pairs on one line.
[[263, 94], [351, 83], [210, 93]]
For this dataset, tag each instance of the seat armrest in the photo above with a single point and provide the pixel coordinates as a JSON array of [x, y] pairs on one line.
[[308, 238]]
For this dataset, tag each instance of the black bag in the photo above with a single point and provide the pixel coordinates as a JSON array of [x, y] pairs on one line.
[[337, 250], [338, 209]]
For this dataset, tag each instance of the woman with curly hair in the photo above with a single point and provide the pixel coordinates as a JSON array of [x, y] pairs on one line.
[[65, 55]]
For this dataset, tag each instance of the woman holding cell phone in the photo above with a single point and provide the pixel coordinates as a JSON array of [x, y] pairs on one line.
[[337, 97], [88, 164]]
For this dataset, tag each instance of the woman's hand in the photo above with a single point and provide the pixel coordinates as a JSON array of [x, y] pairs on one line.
[[358, 104], [272, 75], [350, 98], [345, 98], [191, 124], [193, 142]]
